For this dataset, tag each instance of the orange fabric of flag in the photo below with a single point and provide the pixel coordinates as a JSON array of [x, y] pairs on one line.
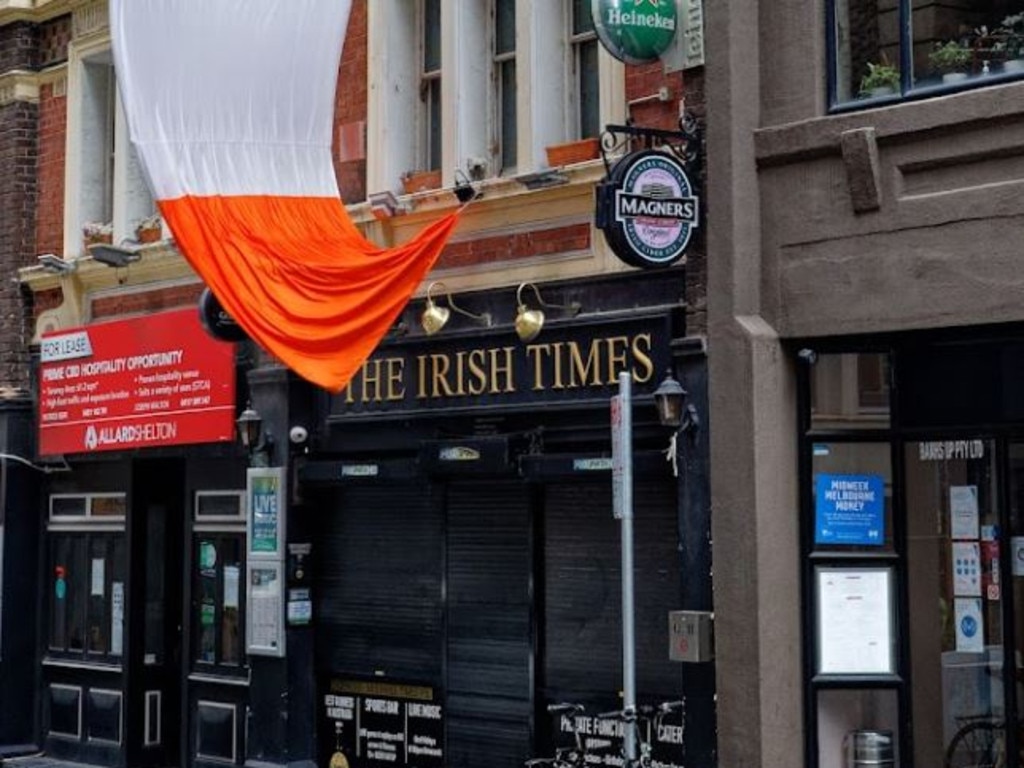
[[230, 109]]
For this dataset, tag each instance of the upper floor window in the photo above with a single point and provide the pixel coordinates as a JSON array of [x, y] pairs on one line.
[[107, 195], [584, 46], [888, 50], [505, 79], [430, 84]]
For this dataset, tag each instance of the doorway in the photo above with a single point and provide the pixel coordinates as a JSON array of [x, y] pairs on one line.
[[153, 715]]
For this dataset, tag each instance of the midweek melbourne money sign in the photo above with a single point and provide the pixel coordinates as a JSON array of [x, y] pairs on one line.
[[635, 31], [147, 381]]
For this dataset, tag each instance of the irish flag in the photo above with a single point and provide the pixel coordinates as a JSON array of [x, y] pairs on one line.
[[230, 105]]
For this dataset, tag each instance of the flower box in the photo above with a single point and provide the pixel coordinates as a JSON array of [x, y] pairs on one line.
[[419, 181], [573, 152]]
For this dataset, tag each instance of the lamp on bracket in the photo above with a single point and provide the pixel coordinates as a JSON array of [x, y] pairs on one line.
[[529, 322], [114, 255], [674, 412], [435, 317], [258, 445]]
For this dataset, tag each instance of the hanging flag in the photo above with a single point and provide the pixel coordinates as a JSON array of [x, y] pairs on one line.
[[230, 107]]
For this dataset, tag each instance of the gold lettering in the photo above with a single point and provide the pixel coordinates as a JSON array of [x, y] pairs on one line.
[[371, 381], [557, 359], [396, 371], [349, 398], [439, 367], [460, 369], [536, 352], [641, 358], [478, 374], [617, 346], [587, 370], [421, 377], [498, 369]]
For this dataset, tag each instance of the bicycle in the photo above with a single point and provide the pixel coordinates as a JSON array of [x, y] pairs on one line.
[[564, 757], [650, 717], [980, 743]]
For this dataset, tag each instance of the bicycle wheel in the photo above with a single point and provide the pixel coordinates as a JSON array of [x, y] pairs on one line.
[[977, 745]]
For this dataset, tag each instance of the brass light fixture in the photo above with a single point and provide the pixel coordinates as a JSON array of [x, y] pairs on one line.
[[529, 322], [435, 317]]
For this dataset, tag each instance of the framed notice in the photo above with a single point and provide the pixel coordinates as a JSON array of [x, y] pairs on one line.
[[264, 620], [265, 505], [855, 620]]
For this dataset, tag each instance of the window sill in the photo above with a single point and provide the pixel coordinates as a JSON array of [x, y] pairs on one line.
[[92, 666], [215, 678]]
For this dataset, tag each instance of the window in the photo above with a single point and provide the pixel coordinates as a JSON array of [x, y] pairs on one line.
[[87, 594], [887, 50], [218, 582], [584, 46], [430, 85], [505, 77], [106, 192]]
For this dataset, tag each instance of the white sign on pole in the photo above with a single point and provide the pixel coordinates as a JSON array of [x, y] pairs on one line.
[[618, 486]]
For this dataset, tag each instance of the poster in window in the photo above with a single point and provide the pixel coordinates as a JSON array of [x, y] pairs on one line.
[[849, 510], [265, 501], [963, 512], [230, 586], [970, 629], [117, 618], [264, 610], [855, 625], [966, 565]]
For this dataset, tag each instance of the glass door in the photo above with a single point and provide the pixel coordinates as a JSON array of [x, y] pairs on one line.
[[956, 596]]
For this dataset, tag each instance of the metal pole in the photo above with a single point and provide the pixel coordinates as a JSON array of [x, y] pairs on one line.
[[626, 491]]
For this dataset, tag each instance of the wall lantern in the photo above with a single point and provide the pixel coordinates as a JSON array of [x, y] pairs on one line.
[[258, 446], [529, 322], [674, 412], [435, 317]]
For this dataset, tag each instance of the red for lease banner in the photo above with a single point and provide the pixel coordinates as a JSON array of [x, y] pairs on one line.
[[147, 381]]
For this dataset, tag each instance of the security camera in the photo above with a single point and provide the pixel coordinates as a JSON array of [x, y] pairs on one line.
[[298, 435]]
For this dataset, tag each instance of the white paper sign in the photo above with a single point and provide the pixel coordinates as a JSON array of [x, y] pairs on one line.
[[230, 586], [854, 621], [265, 610], [98, 581], [117, 618], [1017, 547], [966, 556], [970, 630], [963, 511]]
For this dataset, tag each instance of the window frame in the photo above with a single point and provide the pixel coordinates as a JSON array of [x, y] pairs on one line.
[[503, 61], [908, 91]]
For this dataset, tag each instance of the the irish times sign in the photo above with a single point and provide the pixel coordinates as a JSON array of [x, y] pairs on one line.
[[647, 209]]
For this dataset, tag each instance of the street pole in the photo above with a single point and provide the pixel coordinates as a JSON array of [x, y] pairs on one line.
[[622, 490]]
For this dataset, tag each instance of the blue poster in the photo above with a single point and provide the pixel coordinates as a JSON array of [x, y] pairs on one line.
[[849, 509]]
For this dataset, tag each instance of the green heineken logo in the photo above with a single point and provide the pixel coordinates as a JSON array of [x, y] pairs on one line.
[[635, 31]]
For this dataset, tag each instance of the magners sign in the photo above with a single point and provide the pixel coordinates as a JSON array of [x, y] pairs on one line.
[[647, 209], [635, 31]]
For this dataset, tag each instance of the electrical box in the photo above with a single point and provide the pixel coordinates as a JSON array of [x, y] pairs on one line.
[[691, 636]]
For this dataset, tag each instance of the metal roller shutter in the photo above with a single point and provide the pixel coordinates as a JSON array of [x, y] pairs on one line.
[[379, 556], [489, 689], [582, 592]]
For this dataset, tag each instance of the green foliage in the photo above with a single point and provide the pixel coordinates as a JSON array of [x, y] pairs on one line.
[[880, 76], [950, 57]]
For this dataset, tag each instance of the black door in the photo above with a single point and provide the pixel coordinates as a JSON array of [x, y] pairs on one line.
[[153, 715]]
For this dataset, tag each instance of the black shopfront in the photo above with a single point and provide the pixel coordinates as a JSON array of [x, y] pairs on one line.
[[466, 557]]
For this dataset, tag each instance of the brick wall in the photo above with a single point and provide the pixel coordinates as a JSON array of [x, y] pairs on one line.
[[110, 307], [485, 250], [50, 193], [18, 151], [350, 110]]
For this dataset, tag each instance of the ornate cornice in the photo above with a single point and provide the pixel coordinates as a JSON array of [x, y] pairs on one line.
[[36, 10]]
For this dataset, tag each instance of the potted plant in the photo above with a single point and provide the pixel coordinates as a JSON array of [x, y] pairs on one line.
[[571, 152], [1011, 32], [881, 79], [94, 232], [149, 230], [951, 59], [419, 181]]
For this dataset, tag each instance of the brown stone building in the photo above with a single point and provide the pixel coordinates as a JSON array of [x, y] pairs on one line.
[[445, 548], [865, 350]]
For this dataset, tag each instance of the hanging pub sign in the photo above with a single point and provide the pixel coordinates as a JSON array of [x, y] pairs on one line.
[[635, 31], [647, 209]]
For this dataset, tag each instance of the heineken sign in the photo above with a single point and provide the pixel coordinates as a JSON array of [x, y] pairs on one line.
[[635, 31], [647, 209]]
